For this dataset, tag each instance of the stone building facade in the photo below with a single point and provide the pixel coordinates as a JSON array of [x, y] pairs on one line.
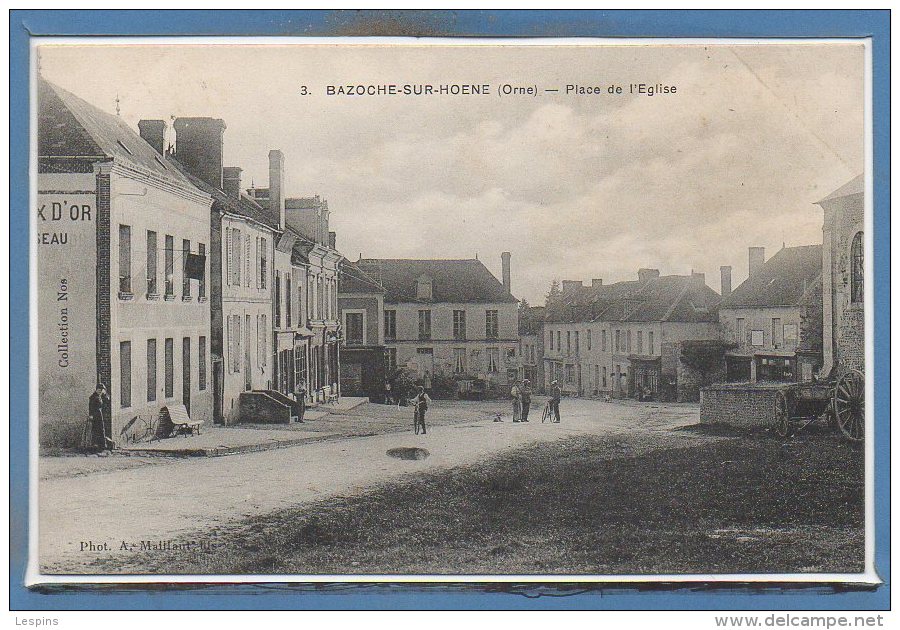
[[447, 320], [131, 313], [843, 274]]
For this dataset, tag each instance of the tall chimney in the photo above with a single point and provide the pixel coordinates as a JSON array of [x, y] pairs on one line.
[[645, 275], [507, 282], [757, 259], [596, 283], [276, 184], [154, 133], [231, 181], [199, 146], [725, 270]]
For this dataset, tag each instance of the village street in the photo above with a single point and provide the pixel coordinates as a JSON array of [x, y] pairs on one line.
[[87, 516]]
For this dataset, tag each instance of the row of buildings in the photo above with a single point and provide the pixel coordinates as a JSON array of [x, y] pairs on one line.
[[796, 315], [161, 276]]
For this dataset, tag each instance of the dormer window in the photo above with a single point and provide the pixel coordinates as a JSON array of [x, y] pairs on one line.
[[424, 288]]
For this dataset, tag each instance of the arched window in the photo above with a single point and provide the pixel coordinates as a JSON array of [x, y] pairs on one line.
[[857, 270]]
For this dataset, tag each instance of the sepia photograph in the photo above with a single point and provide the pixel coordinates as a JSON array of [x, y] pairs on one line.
[[292, 297]]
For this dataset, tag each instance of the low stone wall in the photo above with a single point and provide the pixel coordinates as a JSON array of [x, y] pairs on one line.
[[739, 404]]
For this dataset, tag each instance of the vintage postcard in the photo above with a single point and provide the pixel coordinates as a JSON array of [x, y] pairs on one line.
[[368, 310]]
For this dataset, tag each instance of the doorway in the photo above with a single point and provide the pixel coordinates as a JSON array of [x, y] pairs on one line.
[[186, 373]]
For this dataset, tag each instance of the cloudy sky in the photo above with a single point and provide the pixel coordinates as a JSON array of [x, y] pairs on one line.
[[576, 187]]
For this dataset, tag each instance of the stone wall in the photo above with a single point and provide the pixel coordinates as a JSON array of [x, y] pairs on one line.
[[739, 404]]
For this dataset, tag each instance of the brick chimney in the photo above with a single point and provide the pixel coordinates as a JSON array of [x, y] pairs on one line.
[[725, 270], [154, 133], [276, 184], [645, 275], [199, 146], [570, 285], [596, 283], [507, 281], [231, 181], [757, 257]]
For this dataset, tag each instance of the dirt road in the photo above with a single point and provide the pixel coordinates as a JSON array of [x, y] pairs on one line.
[[91, 516]]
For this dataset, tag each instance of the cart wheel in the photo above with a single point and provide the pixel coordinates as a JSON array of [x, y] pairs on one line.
[[782, 414], [850, 405]]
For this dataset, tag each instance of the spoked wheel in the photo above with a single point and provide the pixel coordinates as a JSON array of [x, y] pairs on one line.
[[782, 414], [850, 405]]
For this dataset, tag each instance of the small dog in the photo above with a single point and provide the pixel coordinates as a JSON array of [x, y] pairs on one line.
[[497, 418]]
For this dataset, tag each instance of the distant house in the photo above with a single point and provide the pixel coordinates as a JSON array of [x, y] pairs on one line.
[[843, 276], [531, 345], [626, 339], [447, 319], [122, 274], [774, 318], [361, 307]]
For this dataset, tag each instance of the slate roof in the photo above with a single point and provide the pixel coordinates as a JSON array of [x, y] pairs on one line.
[[70, 127], [354, 279], [855, 186], [784, 280], [659, 299], [246, 206], [455, 281]]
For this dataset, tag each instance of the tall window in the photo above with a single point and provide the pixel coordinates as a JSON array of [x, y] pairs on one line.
[[151, 370], [288, 300], [170, 265], [741, 327], [353, 324], [493, 359], [640, 342], [125, 374], [618, 345], [390, 359], [589, 340], [201, 357], [124, 259], [185, 280], [390, 324], [169, 368], [628, 341], [558, 338], [604, 377], [568, 342], [650, 342], [603, 340], [201, 288], [234, 343], [261, 343], [459, 360], [277, 299], [263, 263], [550, 334], [492, 324], [857, 269], [425, 324], [238, 252], [777, 332], [459, 325], [577, 342], [152, 258]]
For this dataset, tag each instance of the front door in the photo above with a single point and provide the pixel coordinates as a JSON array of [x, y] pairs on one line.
[[186, 373]]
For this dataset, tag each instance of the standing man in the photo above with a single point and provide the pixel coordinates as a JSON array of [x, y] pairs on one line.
[[516, 394], [555, 396], [388, 393], [300, 397], [526, 399], [420, 405], [100, 411]]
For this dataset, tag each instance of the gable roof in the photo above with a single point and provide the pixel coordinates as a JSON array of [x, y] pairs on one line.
[[784, 280], [855, 186], [354, 279], [658, 299], [70, 127], [454, 281]]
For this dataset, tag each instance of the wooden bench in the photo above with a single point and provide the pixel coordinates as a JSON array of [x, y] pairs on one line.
[[177, 417]]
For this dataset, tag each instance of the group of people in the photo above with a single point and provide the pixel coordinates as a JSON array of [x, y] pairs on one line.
[[520, 393]]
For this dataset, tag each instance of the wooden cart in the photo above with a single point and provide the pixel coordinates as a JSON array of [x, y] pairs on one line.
[[839, 401]]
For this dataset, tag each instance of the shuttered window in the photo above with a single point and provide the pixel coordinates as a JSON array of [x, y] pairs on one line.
[[125, 374], [151, 370], [201, 358], [170, 368]]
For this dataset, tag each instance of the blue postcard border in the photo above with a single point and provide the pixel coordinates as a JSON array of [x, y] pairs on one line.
[[25, 24]]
